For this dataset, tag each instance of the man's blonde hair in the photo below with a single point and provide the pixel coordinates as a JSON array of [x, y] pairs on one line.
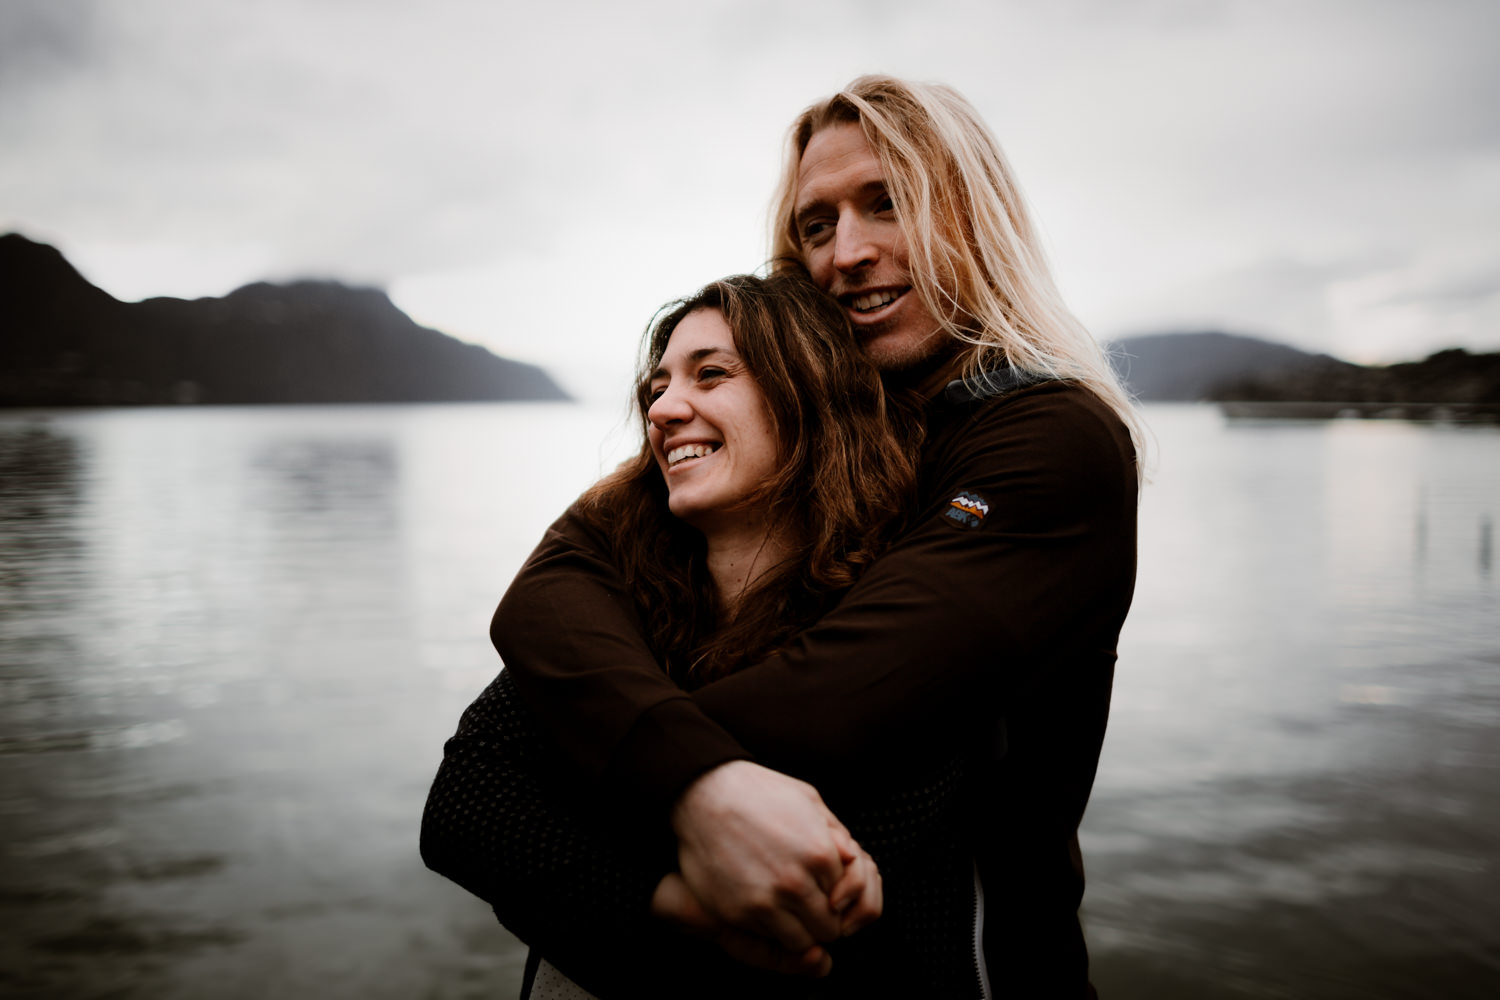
[[975, 258]]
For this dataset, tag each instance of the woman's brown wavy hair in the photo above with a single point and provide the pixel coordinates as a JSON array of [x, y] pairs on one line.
[[846, 474]]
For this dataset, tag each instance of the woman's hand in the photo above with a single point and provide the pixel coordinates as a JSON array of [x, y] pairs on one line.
[[859, 896], [675, 903]]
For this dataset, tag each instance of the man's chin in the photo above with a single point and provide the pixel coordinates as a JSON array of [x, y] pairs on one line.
[[902, 353]]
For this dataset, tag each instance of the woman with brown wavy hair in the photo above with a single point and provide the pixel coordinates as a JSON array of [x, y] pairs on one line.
[[808, 512], [771, 473]]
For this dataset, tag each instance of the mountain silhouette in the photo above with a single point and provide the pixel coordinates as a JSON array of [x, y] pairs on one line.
[[69, 343], [1227, 367], [1194, 366]]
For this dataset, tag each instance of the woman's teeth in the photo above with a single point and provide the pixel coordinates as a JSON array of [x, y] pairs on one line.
[[690, 451]]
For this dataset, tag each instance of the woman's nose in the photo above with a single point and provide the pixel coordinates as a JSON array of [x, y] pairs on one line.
[[669, 408]]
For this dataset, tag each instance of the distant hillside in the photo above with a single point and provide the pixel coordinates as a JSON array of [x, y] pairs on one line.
[[1224, 367], [1194, 366], [68, 343], [1453, 376]]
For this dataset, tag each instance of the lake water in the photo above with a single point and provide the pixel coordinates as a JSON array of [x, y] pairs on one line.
[[233, 640]]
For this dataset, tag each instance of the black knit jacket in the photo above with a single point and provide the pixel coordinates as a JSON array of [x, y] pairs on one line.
[[571, 873]]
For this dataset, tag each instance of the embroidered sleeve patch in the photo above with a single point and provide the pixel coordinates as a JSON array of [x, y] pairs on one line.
[[967, 510]]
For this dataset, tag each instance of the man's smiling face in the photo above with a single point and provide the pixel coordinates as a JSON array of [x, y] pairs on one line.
[[855, 251]]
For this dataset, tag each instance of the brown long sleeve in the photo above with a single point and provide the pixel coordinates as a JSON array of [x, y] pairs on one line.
[[964, 614]]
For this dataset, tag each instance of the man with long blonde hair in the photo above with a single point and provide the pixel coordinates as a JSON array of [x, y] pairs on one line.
[[957, 233], [994, 615]]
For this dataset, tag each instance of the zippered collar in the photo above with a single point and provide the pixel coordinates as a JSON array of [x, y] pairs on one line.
[[991, 384]]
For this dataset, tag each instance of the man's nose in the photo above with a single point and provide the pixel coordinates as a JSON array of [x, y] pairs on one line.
[[853, 245]]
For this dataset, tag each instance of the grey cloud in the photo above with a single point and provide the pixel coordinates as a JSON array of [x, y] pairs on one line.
[[1281, 298], [40, 38], [380, 139], [1450, 293]]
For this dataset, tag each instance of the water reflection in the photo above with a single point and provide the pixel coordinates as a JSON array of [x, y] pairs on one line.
[[233, 641], [1486, 543], [215, 730], [1303, 748]]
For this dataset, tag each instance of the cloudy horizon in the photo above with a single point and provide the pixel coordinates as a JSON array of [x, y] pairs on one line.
[[540, 180]]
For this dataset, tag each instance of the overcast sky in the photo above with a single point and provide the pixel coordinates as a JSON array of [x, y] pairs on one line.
[[540, 177]]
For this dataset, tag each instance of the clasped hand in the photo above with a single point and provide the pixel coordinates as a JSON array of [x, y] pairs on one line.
[[766, 870]]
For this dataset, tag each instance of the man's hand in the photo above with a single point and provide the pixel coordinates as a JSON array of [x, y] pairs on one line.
[[762, 854]]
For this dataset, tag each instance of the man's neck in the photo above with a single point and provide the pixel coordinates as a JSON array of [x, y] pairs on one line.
[[928, 377]]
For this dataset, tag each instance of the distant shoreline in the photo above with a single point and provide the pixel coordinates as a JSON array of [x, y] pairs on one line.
[[12, 409], [1453, 413]]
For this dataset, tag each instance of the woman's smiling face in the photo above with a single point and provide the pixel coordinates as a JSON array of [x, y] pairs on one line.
[[711, 431]]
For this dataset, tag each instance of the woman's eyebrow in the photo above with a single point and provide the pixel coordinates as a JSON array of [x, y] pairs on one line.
[[695, 356], [708, 352]]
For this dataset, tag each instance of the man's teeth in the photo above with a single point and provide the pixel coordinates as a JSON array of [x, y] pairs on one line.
[[690, 451], [874, 300]]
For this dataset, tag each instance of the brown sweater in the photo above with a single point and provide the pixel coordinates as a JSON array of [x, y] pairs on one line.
[[995, 616]]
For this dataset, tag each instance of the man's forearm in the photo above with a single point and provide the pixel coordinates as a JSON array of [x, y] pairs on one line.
[[568, 632]]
